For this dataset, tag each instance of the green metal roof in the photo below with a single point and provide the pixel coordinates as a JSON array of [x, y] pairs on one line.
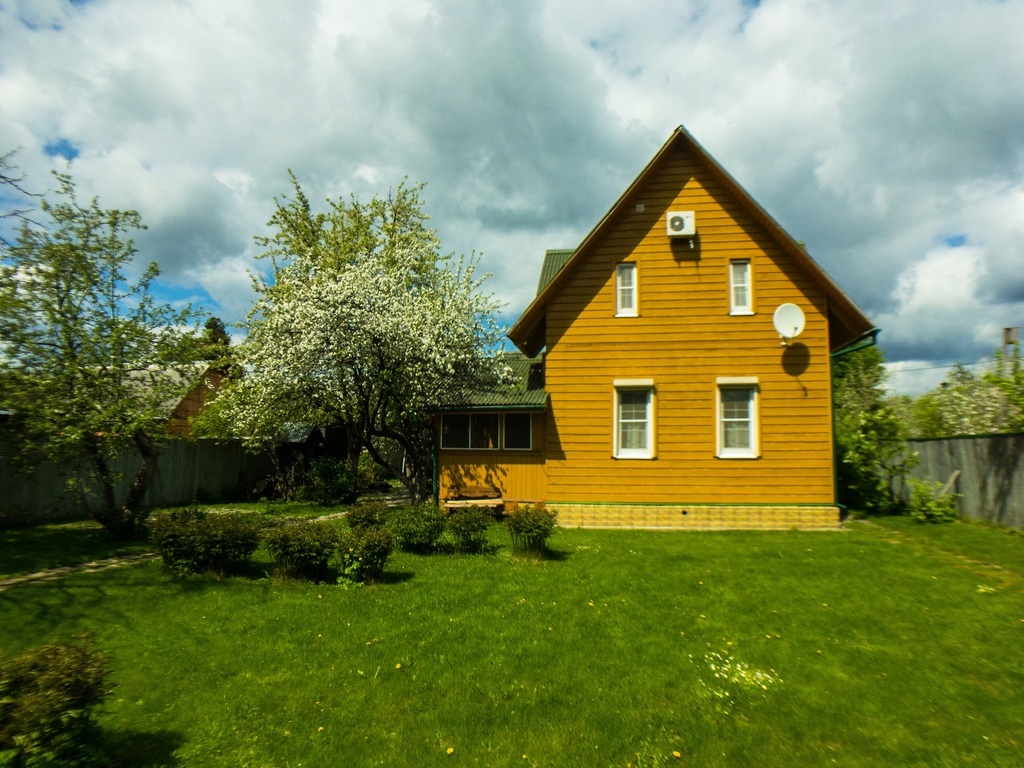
[[521, 389], [554, 260]]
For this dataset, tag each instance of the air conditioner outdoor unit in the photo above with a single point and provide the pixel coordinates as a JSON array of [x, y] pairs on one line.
[[680, 224]]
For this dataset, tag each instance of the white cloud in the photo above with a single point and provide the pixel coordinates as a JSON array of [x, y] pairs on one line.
[[872, 130]]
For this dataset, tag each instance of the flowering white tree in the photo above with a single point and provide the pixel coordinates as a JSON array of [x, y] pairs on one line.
[[363, 325]]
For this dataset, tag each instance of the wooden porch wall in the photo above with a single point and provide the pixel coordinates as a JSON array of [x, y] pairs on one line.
[[519, 475]]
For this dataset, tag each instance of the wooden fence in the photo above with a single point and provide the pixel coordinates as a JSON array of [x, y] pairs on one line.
[[187, 471], [991, 479]]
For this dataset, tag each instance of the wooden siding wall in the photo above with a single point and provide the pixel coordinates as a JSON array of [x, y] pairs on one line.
[[684, 339], [519, 475]]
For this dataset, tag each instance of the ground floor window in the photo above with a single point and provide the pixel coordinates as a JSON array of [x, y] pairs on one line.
[[634, 419], [737, 418]]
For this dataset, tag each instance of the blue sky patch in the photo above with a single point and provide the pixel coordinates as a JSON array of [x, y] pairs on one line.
[[61, 148], [955, 241]]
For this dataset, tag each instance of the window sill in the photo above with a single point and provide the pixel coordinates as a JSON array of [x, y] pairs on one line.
[[742, 313], [734, 456]]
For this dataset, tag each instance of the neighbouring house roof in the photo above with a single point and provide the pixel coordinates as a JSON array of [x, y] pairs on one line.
[[521, 389], [554, 260], [847, 322]]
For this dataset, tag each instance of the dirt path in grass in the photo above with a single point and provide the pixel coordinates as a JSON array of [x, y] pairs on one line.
[[1007, 575], [91, 567]]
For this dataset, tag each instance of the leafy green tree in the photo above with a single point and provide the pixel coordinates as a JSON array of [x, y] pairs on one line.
[[1008, 376], [363, 324], [870, 437], [88, 359], [964, 404]]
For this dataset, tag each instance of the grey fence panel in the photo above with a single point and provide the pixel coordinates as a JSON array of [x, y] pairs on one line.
[[991, 480], [187, 471]]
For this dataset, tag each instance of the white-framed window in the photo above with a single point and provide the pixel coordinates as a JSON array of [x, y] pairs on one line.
[[625, 290], [740, 289], [737, 418], [634, 419], [517, 432], [477, 431]]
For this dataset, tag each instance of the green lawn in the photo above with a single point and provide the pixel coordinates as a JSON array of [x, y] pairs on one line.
[[889, 643]]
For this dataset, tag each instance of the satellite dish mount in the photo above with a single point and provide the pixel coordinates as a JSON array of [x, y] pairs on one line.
[[789, 322]]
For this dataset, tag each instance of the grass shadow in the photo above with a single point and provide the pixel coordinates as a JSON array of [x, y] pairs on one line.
[[394, 577], [548, 554], [142, 749]]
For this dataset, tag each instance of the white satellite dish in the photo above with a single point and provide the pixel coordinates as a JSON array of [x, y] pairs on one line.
[[789, 322]]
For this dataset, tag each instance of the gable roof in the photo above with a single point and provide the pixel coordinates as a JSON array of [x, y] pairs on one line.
[[521, 389], [847, 322]]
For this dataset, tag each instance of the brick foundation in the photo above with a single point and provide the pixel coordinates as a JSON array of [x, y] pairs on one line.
[[696, 516]]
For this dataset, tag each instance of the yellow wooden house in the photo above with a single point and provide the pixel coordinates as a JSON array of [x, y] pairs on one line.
[[659, 384]]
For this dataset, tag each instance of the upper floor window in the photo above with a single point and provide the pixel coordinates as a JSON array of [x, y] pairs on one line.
[[739, 287], [625, 290]]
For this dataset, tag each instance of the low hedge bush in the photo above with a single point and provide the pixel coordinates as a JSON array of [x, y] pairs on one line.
[[47, 698], [363, 554], [303, 550], [192, 540], [530, 527], [417, 528], [372, 515], [468, 528]]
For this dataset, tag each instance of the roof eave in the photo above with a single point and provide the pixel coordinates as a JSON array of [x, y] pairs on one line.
[[526, 326]]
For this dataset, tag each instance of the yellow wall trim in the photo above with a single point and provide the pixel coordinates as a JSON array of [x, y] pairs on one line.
[[696, 516]]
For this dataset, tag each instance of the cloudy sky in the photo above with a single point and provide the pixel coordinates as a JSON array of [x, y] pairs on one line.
[[889, 136]]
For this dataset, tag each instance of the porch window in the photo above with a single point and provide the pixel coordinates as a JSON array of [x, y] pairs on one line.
[[518, 430], [478, 431]]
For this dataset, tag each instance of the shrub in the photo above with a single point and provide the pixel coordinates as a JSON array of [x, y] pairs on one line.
[[47, 698], [303, 550], [926, 506], [468, 527], [192, 540], [363, 553], [371, 473], [373, 515], [329, 481], [417, 528], [529, 528]]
